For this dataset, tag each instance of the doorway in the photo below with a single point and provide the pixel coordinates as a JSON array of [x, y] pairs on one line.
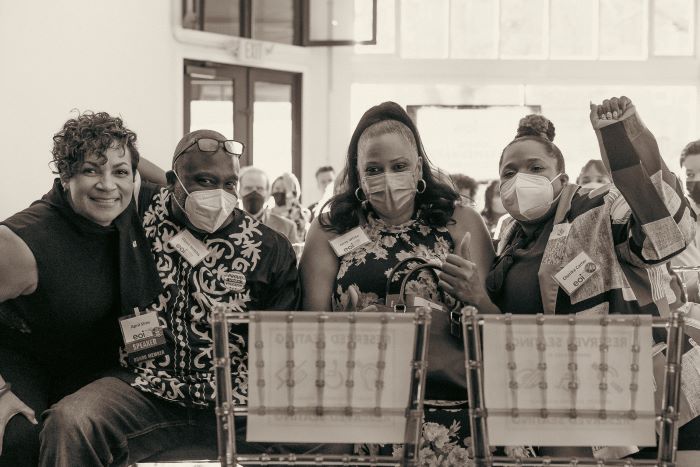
[[259, 107]]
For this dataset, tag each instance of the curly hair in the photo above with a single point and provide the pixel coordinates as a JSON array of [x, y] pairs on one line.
[[538, 128], [90, 133], [436, 204], [690, 149]]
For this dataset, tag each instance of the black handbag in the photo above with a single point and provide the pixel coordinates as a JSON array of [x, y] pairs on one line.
[[446, 378]]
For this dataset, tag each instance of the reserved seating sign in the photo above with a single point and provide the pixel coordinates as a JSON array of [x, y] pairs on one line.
[[569, 381], [329, 377]]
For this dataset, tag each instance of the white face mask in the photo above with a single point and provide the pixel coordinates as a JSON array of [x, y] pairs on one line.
[[207, 210], [527, 197]]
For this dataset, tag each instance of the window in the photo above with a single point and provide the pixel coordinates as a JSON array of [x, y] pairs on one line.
[[536, 29], [467, 139], [267, 20], [296, 22]]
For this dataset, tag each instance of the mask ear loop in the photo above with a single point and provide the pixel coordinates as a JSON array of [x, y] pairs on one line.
[[364, 202], [185, 190]]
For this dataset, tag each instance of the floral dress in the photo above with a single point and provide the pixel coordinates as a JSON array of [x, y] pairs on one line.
[[366, 270]]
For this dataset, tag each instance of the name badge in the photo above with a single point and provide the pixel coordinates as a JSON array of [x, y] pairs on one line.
[[189, 247], [576, 273], [349, 241], [143, 336], [560, 231]]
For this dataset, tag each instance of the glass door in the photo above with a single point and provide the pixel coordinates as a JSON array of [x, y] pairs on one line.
[[261, 108], [276, 132]]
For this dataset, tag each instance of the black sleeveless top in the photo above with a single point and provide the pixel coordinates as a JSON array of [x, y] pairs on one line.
[[72, 316]]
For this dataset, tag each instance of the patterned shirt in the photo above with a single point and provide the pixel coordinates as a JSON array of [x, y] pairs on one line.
[[249, 267]]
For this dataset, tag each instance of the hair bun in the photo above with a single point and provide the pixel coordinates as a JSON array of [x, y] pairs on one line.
[[536, 125]]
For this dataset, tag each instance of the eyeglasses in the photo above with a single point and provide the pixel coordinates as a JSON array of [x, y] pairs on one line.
[[210, 145]]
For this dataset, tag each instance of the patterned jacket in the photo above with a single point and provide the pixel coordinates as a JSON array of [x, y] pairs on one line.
[[629, 229], [249, 267]]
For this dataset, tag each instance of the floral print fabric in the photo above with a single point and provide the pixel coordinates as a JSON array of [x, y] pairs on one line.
[[367, 268], [366, 271]]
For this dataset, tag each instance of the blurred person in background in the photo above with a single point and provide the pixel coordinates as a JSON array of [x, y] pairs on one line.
[[255, 192], [690, 257], [466, 187], [287, 194], [493, 207], [593, 175], [324, 177]]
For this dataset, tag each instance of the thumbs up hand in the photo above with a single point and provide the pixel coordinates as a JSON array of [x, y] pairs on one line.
[[460, 277], [463, 248]]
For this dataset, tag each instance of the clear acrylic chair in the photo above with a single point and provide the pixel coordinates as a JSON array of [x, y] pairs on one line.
[[480, 402], [289, 379]]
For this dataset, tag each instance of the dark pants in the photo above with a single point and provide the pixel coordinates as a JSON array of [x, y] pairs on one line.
[[20, 446], [108, 422], [38, 386]]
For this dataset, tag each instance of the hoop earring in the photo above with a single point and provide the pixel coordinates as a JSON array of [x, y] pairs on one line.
[[425, 186], [358, 189]]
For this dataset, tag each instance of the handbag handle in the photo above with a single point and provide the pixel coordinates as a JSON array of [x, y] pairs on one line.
[[454, 314], [421, 267], [396, 269]]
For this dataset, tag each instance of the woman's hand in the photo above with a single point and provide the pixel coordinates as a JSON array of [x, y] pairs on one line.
[[10, 405], [460, 277], [610, 109]]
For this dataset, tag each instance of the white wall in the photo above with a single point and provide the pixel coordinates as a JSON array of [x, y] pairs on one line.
[[124, 57], [95, 55]]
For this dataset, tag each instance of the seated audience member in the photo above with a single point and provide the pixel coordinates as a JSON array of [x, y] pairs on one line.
[[324, 177], [690, 257], [391, 193], [227, 258], [593, 175], [255, 191], [332, 189], [628, 231], [466, 187], [287, 192], [493, 207], [70, 265]]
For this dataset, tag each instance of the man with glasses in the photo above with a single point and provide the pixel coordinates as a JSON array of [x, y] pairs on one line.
[[207, 252]]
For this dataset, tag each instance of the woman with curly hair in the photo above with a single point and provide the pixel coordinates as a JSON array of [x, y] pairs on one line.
[[393, 196], [70, 265]]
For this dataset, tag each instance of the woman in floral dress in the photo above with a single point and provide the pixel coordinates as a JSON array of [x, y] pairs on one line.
[[391, 193]]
